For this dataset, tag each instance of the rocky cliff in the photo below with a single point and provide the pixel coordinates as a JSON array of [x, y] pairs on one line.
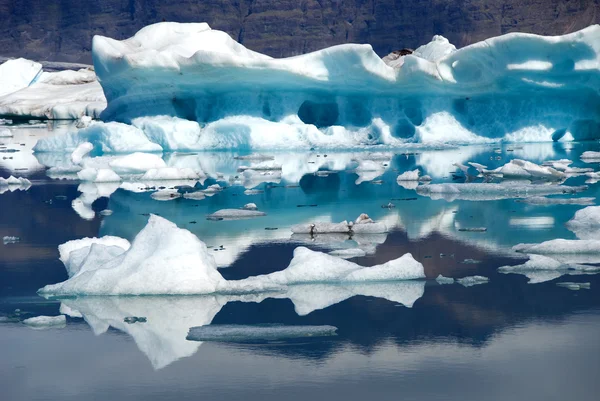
[[62, 30]]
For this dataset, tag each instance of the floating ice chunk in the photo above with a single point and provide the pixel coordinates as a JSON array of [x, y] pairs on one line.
[[561, 246], [544, 201], [255, 157], [574, 286], [98, 175], [253, 192], [165, 195], [348, 253], [593, 175], [80, 152], [263, 166], [137, 163], [481, 169], [42, 322], [409, 176], [522, 169], [321, 228], [111, 137], [5, 133], [10, 239], [487, 191], [472, 280], [17, 74], [162, 259], [586, 223], [444, 280], [198, 195], [243, 333], [590, 155], [246, 212], [213, 189], [365, 225], [541, 268]]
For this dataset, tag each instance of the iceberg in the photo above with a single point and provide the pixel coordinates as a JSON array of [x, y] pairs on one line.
[[540, 268], [189, 87], [17, 74], [561, 246], [43, 322], [166, 260], [586, 223], [15, 182]]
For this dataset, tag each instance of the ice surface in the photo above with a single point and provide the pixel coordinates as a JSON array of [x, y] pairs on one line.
[[522, 169], [5, 133], [80, 152], [348, 253], [541, 268], [346, 96], [590, 155], [17, 74], [73, 254], [487, 191], [137, 163], [472, 280], [98, 175], [586, 223], [541, 200], [46, 321], [561, 246], [409, 176], [245, 333]]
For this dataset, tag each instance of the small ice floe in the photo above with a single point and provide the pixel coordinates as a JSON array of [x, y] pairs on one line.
[[409, 176], [363, 225], [522, 169], [348, 253], [247, 333], [489, 191], [539, 269], [198, 195], [590, 156], [5, 133], [473, 229], [9, 239], [593, 175], [165, 195], [444, 280], [545, 201], [43, 322], [212, 190], [388, 206], [586, 223], [106, 212], [134, 319], [472, 280], [561, 246], [264, 166], [247, 211], [574, 286], [470, 261]]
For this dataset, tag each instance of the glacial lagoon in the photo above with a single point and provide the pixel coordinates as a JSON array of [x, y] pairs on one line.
[[517, 336]]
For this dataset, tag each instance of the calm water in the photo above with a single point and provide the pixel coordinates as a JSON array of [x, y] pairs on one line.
[[506, 339]]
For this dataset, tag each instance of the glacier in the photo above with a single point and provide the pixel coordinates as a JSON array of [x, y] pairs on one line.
[[190, 87]]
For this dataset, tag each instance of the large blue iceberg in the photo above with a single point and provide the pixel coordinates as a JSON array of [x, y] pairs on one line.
[[189, 87]]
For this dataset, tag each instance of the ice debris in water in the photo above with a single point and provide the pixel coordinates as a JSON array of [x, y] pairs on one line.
[[561, 246], [488, 191], [247, 211], [41, 322], [574, 286], [9, 239], [164, 259], [522, 169], [444, 280], [545, 201], [472, 280], [586, 223], [247, 333], [590, 155], [409, 175], [363, 225], [473, 229], [540, 268]]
